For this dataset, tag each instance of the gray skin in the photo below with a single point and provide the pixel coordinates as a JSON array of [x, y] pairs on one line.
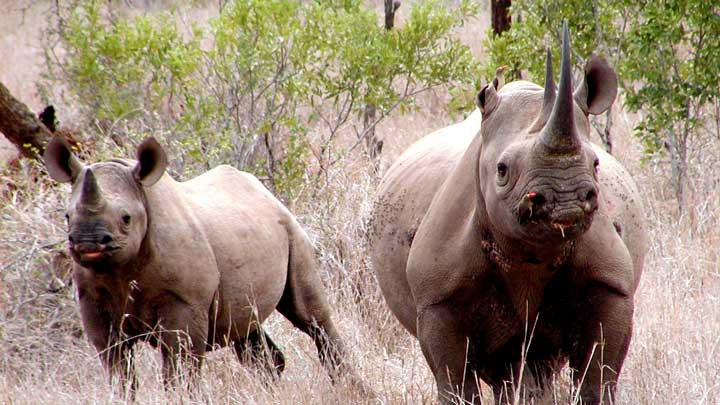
[[187, 266], [479, 231]]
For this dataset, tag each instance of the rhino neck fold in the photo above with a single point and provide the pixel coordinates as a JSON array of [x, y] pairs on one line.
[[523, 258]]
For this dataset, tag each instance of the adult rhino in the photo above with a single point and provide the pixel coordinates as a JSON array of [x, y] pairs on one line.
[[485, 234], [188, 265]]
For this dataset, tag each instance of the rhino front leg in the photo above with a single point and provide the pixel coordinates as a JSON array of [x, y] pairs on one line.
[[183, 341], [444, 343], [114, 350], [602, 343], [259, 349]]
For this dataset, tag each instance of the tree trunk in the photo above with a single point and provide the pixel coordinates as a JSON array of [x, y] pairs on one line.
[[500, 14], [21, 127], [374, 146], [391, 7]]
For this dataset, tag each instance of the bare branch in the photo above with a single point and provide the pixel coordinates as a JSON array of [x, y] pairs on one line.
[[21, 126]]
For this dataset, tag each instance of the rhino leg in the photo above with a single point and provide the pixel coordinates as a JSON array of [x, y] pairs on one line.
[[536, 379], [603, 312], [182, 339], [601, 343], [304, 304], [259, 349], [445, 345], [114, 349], [119, 360]]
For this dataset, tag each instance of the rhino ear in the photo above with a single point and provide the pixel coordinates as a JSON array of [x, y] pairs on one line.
[[598, 89], [61, 163], [152, 162], [487, 99]]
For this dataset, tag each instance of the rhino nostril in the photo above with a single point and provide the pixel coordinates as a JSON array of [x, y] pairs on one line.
[[591, 195], [71, 239], [106, 239], [536, 199], [590, 201]]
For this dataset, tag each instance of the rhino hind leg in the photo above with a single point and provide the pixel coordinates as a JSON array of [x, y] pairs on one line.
[[304, 304], [536, 380], [258, 349]]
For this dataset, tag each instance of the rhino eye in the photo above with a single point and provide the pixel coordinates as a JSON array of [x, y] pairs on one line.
[[502, 170], [126, 219]]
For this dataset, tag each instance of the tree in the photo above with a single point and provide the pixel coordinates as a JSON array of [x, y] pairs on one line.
[[671, 72], [270, 89], [373, 144], [500, 15], [21, 127]]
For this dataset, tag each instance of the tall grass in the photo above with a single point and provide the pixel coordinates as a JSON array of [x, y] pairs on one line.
[[674, 357]]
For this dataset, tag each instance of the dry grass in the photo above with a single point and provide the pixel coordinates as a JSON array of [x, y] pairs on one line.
[[674, 356]]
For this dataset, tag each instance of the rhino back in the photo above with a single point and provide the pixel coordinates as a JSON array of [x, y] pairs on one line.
[[246, 228], [404, 196]]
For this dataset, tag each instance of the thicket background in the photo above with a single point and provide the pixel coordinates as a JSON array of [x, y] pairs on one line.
[[282, 89]]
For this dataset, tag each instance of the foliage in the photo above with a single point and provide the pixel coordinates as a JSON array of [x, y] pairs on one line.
[[667, 54], [595, 26], [125, 66], [673, 53], [267, 86]]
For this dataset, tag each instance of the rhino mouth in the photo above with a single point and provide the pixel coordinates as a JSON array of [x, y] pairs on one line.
[[561, 218], [556, 228], [543, 222], [569, 228], [86, 253]]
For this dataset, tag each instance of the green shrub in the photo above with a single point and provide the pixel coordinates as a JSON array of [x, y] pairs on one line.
[[263, 85]]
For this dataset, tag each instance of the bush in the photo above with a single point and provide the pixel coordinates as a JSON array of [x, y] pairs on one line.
[[267, 87]]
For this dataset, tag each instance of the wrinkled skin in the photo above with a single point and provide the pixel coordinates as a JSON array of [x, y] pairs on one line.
[[509, 218], [187, 266]]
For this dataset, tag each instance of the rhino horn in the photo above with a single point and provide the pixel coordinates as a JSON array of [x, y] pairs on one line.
[[548, 96], [559, 134], [91, 195]]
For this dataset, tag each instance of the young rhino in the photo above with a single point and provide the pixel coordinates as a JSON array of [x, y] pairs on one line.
[[484, 236], [186, 266]]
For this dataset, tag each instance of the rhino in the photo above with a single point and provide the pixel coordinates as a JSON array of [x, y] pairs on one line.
[[510, 245], [187, 266]]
